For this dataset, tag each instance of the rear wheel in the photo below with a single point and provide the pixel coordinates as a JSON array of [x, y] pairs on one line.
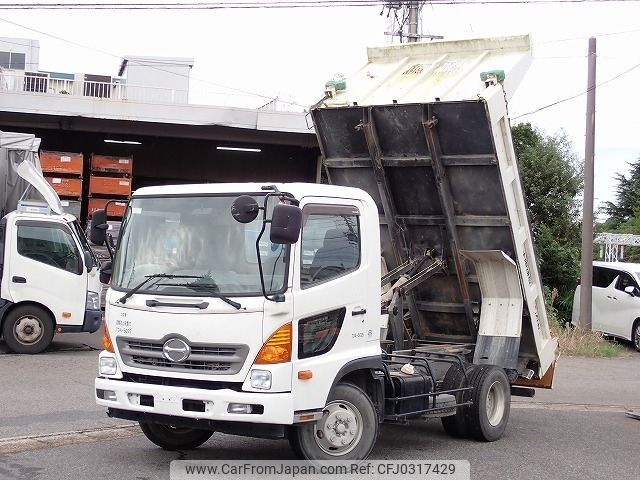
[[170, 437], [487, 417], [28, 329], [635, 335], [456, 425], [347, 430]]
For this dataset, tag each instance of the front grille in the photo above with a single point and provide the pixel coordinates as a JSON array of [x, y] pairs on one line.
[[220, 359]]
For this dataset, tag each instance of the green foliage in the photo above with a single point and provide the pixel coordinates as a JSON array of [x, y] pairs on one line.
[[624, 214], [627, 199], [552, 181]]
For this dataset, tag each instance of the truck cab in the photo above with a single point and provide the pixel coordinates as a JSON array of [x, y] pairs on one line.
[[49, 274]]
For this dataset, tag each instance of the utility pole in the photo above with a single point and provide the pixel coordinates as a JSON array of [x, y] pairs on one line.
[[586, 278], [405, 20], [412, 24]]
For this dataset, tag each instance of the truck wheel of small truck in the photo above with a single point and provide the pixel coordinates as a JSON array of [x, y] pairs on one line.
[[347, 431], [456, 425], [28, 329], [175, 438], [487, 417]]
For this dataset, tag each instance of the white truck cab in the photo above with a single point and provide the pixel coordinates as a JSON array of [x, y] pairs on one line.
[[49, 275]]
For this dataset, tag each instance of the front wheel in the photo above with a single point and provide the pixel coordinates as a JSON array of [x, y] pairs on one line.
[[175, 438], [27, 329], [487, 417], [635, 335], [347, 430]]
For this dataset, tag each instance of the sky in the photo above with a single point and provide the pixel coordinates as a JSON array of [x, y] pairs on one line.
[[290, 53]]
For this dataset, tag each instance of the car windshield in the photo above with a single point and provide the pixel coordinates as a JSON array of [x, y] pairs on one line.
[[197, 241]]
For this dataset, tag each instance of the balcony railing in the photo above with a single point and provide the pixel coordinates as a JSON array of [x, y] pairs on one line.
[[119, 90]]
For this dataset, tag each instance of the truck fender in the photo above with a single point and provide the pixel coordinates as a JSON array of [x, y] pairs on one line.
[[8, 306], [366, 373]]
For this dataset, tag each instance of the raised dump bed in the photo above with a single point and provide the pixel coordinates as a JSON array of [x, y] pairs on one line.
[[444, 176]]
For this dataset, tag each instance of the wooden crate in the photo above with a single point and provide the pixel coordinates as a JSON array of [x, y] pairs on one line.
[[66, 187], [116, 209], [112, 186], [110, 164], [61, 162]]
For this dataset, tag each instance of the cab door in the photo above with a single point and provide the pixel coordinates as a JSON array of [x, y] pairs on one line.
[[336, 316], [46, 267]]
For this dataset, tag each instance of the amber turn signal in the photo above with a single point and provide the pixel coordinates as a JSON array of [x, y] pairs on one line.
[[305, 375], [277, 349], [107, 344]]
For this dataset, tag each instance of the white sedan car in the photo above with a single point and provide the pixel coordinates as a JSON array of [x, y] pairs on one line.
[[616, 301]]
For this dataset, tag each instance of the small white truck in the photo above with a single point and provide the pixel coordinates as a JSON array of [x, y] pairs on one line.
[[407, 289], [49, 275]]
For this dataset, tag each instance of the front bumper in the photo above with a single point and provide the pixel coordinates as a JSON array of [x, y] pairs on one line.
[[277, 407]]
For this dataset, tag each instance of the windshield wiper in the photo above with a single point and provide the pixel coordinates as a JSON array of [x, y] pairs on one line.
[[147, 279], [210, 288]]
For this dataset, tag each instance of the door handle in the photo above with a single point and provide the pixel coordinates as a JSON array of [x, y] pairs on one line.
[[360, 311], [18, 280], [612, 298]]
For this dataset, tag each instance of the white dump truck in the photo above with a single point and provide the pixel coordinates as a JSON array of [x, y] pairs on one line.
[[407, 288], [49, 273]]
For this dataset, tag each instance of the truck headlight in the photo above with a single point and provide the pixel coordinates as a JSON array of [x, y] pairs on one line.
[[93, 301], [108, 366], [261, 379]]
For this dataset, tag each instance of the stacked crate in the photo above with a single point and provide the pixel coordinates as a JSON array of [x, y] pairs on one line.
[[110, 179], [63, 171]]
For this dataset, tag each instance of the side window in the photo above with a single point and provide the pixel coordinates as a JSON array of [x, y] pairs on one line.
[[625, 281], [603, 277], [330, 246], [51, 245], [318, 334]]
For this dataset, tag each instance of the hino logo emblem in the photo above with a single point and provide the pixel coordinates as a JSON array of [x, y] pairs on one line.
[[176, 350]]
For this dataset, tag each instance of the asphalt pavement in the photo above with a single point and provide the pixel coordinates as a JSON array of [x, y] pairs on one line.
[[50, 427]]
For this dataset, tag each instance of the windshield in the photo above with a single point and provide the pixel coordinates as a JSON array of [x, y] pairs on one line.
[[197, 239], [75, 227]]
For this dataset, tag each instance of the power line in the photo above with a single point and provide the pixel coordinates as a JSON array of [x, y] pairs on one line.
[[269, 4], [579, 94]]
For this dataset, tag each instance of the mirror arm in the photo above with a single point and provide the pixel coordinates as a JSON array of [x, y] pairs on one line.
[[110, 248], [273, 298]]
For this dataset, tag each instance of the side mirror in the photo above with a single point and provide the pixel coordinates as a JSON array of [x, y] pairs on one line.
[[105, 272], [631, 290], [286, 222], [97, 232], [88, 261]]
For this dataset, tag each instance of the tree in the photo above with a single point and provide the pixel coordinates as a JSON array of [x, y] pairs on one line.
[[623, 211], [552, 182]]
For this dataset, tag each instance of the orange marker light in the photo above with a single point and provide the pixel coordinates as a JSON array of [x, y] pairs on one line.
[[107, 344], [305, 375], [66, 314], [277, 349]]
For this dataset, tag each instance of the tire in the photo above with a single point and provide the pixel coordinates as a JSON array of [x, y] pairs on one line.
[[175, 438], [28, 329], [353, 416], [487, 417], [635, 335], [456, 425]]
